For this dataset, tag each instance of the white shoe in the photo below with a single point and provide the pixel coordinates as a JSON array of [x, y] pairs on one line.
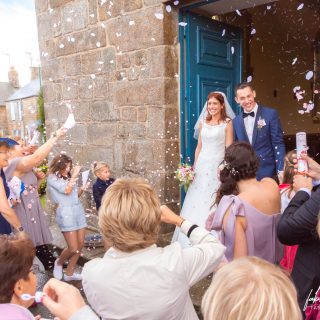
[[57, 270], [74, 277]]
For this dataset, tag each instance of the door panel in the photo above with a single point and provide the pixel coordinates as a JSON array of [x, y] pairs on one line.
[[213, 59]]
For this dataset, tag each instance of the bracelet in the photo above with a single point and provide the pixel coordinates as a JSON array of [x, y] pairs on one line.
[[191, 229]]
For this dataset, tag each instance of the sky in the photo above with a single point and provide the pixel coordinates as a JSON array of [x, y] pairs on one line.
[[18, 34]]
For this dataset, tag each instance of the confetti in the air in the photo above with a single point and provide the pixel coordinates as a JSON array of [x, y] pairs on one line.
[[223, 32], [300, 6], [253, 31], [294, 61], [232, 50], [238, 13], [309, 75], [131, 23], [159, 15], [176, 3], [61, 45], [182, 24], [168, 8], [98, 44], [249, 79], [268, 7]]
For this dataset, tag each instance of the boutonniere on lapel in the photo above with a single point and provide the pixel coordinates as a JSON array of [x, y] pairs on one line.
[[261, 123]]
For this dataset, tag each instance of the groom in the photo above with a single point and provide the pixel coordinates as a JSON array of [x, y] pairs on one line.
[[261, 127]]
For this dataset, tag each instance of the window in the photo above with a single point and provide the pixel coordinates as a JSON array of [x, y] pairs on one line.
[[20, 110], [13, 110]]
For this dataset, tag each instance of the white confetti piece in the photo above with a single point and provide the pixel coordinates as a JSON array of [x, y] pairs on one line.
[[103, 25], [249, 79], [238, 13], [98, 44], [50, 79], [93, 76], [223, 32], [91, 15], [301, 111], [131, 23], [253, 31], [300, 6], [90, 86], [176, 3], [68, 89], [100, 62], [153, 39], [159, 15], [294, 61], [182, 24], [109, 13], [168, 8], [92, 34], [268, 7], [61, 45], [309, 75], [296, 89], [69, 19], [118, 34], [232, 50]]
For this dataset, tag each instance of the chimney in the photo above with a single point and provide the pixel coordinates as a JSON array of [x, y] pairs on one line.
[[13, 77], [34, 73]]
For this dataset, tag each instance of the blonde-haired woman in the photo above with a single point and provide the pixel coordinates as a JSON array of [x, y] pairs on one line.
[[249, 289], [141, 280]]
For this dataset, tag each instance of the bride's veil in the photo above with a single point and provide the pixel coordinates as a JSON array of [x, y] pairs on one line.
[[204, 113]]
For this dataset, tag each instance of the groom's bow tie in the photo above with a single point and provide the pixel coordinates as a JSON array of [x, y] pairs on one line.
[[251, 114]]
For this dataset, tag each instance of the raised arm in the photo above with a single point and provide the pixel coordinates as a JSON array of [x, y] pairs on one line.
[[27, 163]]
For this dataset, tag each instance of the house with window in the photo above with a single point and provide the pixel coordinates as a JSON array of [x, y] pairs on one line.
[[6, 90], [21, 109]]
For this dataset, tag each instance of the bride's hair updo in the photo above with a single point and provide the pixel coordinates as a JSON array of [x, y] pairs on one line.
[[220, 98], [240, 163]]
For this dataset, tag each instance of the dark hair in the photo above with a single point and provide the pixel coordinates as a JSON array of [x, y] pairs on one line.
[[243, 85], [4, 144], [220, 98], [16, 259], [289, 169], [58, 164], [240, 163]]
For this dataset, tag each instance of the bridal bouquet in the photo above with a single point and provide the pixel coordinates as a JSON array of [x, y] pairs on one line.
[[185, 175]]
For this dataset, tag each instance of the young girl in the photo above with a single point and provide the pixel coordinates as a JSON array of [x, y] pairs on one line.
[[70, 217], [102, 171], [287, 193]]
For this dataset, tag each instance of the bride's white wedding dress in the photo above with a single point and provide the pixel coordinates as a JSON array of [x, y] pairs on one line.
[[201, 193]]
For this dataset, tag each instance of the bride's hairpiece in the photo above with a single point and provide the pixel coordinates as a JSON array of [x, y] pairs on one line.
[[227, 166]]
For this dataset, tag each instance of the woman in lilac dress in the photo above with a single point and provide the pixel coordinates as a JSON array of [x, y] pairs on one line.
[[248, 210]]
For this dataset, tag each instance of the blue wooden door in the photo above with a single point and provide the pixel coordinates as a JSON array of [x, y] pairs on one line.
[[211, 61]]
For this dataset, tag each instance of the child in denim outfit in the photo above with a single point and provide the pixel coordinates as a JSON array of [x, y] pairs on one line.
[[70, 216], [102, 171]]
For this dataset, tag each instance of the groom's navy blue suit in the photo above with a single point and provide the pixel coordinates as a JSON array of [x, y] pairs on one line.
[[267, 141]]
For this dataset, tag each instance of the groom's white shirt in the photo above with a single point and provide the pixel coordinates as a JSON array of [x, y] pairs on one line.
[[249, 122]]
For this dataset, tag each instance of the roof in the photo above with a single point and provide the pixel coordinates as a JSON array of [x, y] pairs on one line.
[[6, 90], [31, 89]]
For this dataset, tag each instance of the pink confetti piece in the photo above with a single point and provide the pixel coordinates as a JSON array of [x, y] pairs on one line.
[[168, 8]]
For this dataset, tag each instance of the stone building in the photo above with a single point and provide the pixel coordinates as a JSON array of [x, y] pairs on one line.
[[136, 73], [22, 110], [6, 90]]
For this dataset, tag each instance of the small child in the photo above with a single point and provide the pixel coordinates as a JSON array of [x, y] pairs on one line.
[[102, 171], [287, 193]]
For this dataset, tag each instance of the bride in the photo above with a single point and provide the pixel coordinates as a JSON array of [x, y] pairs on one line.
[[214, 133]]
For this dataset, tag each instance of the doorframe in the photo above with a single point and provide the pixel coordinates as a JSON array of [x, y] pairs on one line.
[[184, 93]]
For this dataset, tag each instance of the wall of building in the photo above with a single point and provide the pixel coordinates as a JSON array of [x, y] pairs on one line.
[[116, 65], [28, 116], [3, 121]]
